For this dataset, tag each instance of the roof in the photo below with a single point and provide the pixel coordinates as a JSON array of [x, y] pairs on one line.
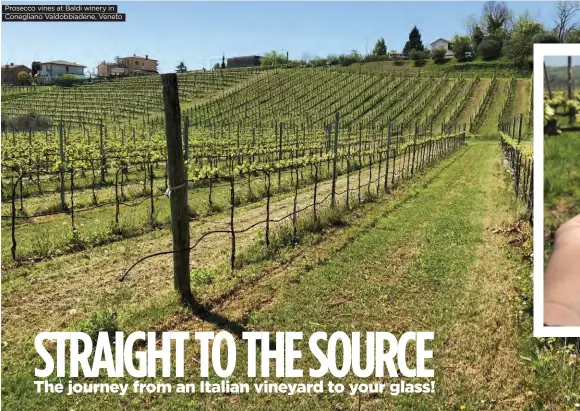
[[447, 41], [63, 63], [244, 57], [11, 66], [137, 57]]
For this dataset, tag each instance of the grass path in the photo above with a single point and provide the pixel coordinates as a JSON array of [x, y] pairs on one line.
[[432, 264], [474, 101], [522, 101], [493, 110], [426, 260]]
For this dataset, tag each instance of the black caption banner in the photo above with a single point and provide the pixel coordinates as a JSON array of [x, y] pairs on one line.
[[54, 12]]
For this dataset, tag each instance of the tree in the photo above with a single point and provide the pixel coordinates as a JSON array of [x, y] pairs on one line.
[[414, 42], [223, 62], [489, 49], [496, 18], [273, 58], [573, 36], [461, 46], [565, 18], [181, 67], [477, 36], [521, 42], [348, 59], [380, 48], [438, 55], [216, 66], [24, 78], [546, 37]]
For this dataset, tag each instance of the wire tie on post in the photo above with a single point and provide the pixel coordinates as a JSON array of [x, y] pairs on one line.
[[170, 189]]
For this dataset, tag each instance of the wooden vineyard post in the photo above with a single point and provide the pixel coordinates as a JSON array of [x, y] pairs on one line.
[[520, 131], [117, 197], [186, 138], [404, 158], [570, 91], [348, 172], [547, 81], [61, 168], [335, 155], [387, 158], [359, 159], [517, 170], [13, 216], [295, 204], [102, 152], [414, 148], [232, 211], [72, 204], [380, 160], [151, 196], [177, 187], [268, 185], [280, 157]]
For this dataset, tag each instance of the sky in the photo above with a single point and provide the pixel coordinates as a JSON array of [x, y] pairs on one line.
[[557, 61], [198, 33]]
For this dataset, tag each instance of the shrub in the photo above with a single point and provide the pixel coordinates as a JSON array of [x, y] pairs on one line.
[[372, 57], [27, 122], [24, 78], [489, 49], [348, 59], [418, 57], [65, 80], [573, 36], [438, 55], [542, 38], [332, 59], [317, 62], [273, 58]]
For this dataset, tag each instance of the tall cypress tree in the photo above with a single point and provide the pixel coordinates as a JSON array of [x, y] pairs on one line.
[[380, 48], [414, 42], [181, 67]]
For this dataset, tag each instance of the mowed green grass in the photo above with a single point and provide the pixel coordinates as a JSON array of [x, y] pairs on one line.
[[561, 180], [428, 259]]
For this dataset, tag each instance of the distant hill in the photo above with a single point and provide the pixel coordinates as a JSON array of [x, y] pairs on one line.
[[559, 76]]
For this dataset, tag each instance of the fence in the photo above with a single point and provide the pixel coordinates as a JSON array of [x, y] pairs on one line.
[[519, 160]]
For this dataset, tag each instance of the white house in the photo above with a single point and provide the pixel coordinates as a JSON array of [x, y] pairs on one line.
[[443, 44], [50, 70]]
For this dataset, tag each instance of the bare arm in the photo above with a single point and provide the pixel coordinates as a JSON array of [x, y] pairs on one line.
[[562, 277]]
